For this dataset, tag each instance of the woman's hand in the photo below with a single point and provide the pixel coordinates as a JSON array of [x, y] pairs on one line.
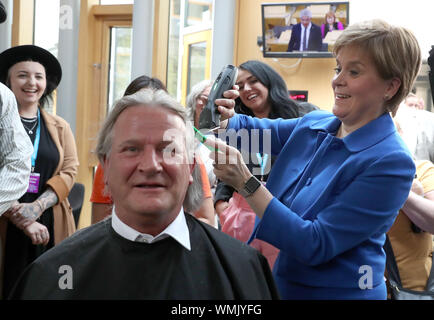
[[226, 105], [31, 211], [417, 187], [228, 164], [35, 209], [23, 216], [230, 168], [221, 206], [38, 233], [16, 218], [12, 210]]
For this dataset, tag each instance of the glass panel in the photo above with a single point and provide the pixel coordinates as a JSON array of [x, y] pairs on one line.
[[198, 12], [173, 47], [196, 64], [116, 1], [120, 63], [46, 32]]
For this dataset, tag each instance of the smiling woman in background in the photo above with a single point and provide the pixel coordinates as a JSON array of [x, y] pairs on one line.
[[263, 94], [43, 216], [339, 179]]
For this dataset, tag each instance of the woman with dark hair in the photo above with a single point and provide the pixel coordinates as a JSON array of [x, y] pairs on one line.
[[263, 94], [142, 82], [259, 78], [43, 216]]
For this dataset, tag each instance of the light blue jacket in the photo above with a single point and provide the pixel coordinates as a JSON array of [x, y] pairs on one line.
[[334, 199]]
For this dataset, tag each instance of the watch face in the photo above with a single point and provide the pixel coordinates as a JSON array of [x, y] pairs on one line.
[[252, 184]]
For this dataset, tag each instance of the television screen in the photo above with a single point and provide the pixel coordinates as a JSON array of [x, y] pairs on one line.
[[307, 29]]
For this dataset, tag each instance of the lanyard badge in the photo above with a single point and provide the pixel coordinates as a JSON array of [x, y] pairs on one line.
[[35, 177], [34, 182]]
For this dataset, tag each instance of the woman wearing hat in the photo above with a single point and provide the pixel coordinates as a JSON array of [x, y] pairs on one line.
[[43, 216]]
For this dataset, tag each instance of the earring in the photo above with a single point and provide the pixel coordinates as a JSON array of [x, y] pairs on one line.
[[386, 97]]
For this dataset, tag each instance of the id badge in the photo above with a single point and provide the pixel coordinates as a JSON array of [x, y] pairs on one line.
[[34, 183]]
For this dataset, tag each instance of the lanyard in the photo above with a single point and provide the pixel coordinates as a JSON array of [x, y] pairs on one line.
[[36, 143], [262, 162]]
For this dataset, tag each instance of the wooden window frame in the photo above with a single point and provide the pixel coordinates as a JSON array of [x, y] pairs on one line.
[[188, 40], [92, 75]]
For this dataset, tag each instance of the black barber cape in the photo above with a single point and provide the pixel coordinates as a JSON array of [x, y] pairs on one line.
[[97, 263]]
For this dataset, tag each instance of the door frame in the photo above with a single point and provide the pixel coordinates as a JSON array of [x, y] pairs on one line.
[[92, 73], [91, 105], [188, 40]]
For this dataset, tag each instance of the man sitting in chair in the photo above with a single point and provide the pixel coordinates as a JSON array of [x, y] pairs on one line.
[[149, 248]]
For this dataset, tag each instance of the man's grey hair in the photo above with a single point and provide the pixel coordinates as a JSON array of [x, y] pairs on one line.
[[193, 95], [148, 98], [305, 13]]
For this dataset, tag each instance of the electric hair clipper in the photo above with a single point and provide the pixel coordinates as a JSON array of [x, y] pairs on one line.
[[210, 117]]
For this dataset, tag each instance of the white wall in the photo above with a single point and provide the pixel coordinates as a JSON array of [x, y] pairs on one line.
[[415, 15]]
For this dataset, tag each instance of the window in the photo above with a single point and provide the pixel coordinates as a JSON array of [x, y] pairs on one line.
[[46, 32], [198, 12], [120, 62], [173, 47], [196, 65], [187, 17], [46, 28]]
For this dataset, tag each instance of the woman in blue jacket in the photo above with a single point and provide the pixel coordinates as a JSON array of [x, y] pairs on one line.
[[339, 179]]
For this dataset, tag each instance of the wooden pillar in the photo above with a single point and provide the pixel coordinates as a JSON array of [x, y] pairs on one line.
[[22, 24], [86, 74]]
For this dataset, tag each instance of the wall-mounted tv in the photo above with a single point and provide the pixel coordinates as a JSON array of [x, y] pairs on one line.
[[285, 25]]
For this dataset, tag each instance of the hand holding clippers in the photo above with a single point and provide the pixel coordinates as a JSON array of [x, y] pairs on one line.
[[210, 117]]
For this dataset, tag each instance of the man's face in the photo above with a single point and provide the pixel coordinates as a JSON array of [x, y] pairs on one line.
[[147, 170], [412, 102], [305, 20]]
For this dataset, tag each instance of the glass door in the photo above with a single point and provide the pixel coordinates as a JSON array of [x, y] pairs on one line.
[[189, 45], [196, 60], [120, 63]]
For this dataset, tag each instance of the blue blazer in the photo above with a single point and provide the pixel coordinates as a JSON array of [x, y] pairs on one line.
[[334, 200], [315, 38]]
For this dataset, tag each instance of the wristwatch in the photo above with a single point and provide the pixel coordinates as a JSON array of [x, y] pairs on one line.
[[250, 187]]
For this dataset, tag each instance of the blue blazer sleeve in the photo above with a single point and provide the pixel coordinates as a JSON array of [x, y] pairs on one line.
[[365, 207], [273, 131]]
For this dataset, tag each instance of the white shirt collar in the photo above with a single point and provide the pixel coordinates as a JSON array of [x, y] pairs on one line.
[[178, 230], [308, 26]]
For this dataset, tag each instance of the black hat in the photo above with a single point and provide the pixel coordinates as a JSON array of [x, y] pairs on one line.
[[3, 14], [17, 54]]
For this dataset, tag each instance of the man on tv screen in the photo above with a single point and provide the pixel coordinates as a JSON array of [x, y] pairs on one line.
[[305, 36]]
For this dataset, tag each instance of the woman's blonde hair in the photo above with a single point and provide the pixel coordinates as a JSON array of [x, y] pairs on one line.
[[394, 50]]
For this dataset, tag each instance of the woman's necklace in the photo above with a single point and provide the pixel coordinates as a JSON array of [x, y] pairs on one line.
[[34, 121]]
